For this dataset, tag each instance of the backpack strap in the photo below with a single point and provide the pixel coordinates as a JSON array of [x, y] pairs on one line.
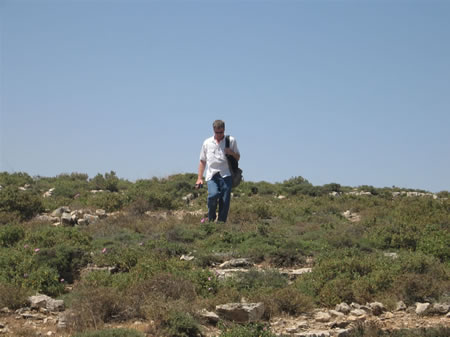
[[227, 141]]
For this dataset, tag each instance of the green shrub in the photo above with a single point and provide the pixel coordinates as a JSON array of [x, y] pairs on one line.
[[255, 279], [18, 267], [17, 179], [205, 282], [22, 204], [249, 330], [45, 280], [287, 255], [47, 237], [181, 324], [109, 201], [69, 185], [109, 182], [10, 235], [64, 258], [434, 241], [291, 301]]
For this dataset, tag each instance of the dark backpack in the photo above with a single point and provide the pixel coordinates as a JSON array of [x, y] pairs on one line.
[[236, 172]]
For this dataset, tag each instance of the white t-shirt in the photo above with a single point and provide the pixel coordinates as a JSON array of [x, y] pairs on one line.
[[214, 156]]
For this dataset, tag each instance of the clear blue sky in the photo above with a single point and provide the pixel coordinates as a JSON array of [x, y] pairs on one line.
[[351, 92]]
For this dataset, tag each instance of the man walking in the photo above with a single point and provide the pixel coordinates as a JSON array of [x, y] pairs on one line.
[[218, 174]]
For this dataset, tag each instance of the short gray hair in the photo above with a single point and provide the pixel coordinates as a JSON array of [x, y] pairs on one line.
[[219, 124]]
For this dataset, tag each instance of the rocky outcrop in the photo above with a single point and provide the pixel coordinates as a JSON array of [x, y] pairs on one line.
[[43, 301], [339, 322], [65, 217], [241, 312]]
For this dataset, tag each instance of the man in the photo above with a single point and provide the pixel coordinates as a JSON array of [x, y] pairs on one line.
[[218, 174]]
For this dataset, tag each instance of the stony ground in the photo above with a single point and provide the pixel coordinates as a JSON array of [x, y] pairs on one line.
[[38, 323], [318, 323]]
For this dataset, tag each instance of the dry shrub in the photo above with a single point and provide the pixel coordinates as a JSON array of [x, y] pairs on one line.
[[284, 301], [223, 295], [291, 301], [92, 307], [24, 331], [336, 291], [417, 287], [172, 287], [12, 297], [162, 299]]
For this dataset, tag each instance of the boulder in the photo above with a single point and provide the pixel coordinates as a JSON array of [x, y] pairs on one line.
[[59, 211], [400, 306], [91, 218], [422, 308], [46, 302], [358, 312], [440, 308], [343, 307], [241, 312], [101, 213], [236, 263], [208, 316], [66, 219], [313, 333], [322, 317], [377, 308]]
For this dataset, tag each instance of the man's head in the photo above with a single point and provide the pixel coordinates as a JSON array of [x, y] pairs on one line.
[[219, 124], [219, 129]]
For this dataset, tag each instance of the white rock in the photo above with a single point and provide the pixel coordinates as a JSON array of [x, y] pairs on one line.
[[343, 307], [422, 308], [322, 317]]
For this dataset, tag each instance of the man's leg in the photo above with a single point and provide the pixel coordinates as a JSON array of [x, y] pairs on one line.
[[213, 195], [225, 198]]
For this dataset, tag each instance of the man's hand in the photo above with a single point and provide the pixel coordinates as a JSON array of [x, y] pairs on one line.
[[230, 152], [199, 184]]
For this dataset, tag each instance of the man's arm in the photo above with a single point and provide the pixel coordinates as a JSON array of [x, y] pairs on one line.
[[201, 170], [236, 155]]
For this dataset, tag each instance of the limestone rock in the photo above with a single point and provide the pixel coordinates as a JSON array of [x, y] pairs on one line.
[[101, 213], [343, 307], [400, 306], [208, 316], [236, 263], [59, 211], [358, 312], [322, 317], [377, 308], [241, 312], [66, 219], [439, 308], [46, 302], [422, 308]]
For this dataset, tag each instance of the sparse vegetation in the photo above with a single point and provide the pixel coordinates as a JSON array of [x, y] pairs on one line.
[[283, 225]]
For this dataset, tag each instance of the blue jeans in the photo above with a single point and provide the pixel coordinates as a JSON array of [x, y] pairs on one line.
[[219, 192]]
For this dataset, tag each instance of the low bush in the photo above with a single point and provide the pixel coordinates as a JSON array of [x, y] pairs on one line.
[[287, 300], [93, 307], [255, 279], [13, 296], [21, 204], [109, 201], [181, 324], [249, 330], [110, 333], [10, 235]]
